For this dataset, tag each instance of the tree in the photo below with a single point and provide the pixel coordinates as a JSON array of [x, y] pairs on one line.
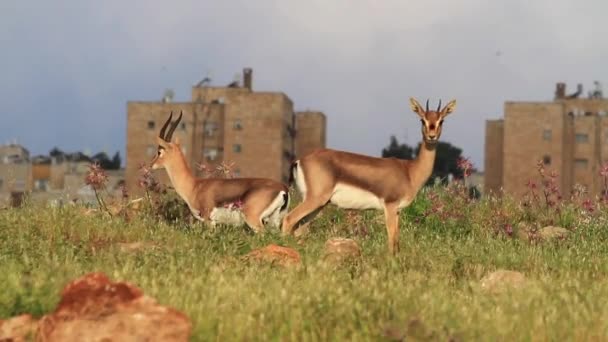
[[394, 149], [56, 152], [105, 162], [445, 162], [116, 161]]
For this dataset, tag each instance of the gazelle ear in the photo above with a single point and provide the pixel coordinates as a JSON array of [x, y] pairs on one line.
[[448, 108], [177, 141], [416, 107], [162, 143]]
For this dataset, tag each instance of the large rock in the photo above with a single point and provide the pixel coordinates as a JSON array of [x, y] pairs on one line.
[[17, 329], [338, 250], [551, 233], [275, 255], [93, 308], [501, 280]]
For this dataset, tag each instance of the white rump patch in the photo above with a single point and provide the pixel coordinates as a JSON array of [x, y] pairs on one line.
[[300, 180], [350, 197], [273, 213]]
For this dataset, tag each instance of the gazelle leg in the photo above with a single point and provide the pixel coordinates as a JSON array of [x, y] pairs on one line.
[[391, 215], [299, 212]]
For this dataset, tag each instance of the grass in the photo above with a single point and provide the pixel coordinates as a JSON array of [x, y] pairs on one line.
[[429, 291]]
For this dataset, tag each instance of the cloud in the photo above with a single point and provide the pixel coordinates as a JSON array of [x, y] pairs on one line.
[[69, 67]]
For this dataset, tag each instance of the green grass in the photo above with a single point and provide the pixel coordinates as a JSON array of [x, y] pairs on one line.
[[429, 290]]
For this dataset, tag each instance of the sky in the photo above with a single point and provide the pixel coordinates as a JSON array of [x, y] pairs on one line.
[[68, 67]]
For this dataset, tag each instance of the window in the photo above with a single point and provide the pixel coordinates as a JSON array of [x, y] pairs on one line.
[[237, 125], [209, 127], [547, 134], [41, 184], [151, 124], [581, 163], [237, 148], [151, 150], [581, 138], [210, 153], [547, 160]]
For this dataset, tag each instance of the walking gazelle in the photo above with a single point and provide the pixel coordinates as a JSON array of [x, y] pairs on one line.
[[354, 181], [260, 200]]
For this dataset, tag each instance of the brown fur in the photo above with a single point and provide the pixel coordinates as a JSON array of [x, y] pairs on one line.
[[205, 194], [395, 182]]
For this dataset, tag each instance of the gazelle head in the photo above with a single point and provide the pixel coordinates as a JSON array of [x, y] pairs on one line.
[[167, 150], [432, 120]]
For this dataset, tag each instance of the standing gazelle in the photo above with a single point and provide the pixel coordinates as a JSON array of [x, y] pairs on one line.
[[354, 181], [215, 199]]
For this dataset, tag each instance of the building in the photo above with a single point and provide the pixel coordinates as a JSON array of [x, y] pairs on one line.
[[59, 177], [257, 131], [569, 135]]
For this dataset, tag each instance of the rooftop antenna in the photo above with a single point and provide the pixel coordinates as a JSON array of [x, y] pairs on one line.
[[168, 95], [597, 93], [206, 80], [235, 81]]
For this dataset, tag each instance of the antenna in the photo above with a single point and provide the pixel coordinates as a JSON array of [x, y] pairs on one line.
[[168, 95], [206, 80]]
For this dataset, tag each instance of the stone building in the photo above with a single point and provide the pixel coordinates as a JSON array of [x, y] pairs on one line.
[[258, 132], [568, 134]]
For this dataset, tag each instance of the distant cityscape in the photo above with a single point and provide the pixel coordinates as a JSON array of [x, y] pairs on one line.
[[261, 134]]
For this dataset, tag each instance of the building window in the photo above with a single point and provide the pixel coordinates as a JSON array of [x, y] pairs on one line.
[[581, 163], [151, 150], [41, 184], [547, 160], [547, 134], [151, 124], [237, 148], [581, 138], [209, 127], [210, 153], [237, 125]]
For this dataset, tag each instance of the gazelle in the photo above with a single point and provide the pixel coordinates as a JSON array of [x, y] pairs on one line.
[[257, 200], [354, 181]]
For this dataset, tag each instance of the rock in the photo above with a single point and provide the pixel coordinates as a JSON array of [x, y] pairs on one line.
[[17, 329], [524, 231], [551, 232], [134, 246], [93, 308], [502, 279], [276, 255], [338, 250]]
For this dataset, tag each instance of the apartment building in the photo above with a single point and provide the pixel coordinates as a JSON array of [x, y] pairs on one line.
[[568, 134], [258, 131]]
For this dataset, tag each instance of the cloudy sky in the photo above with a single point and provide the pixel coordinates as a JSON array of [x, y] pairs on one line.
[[68, 67]]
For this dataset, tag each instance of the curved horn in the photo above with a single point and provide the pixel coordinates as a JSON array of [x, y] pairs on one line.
[[164, 128], [439, 107], [173, 126], [427, 105]]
